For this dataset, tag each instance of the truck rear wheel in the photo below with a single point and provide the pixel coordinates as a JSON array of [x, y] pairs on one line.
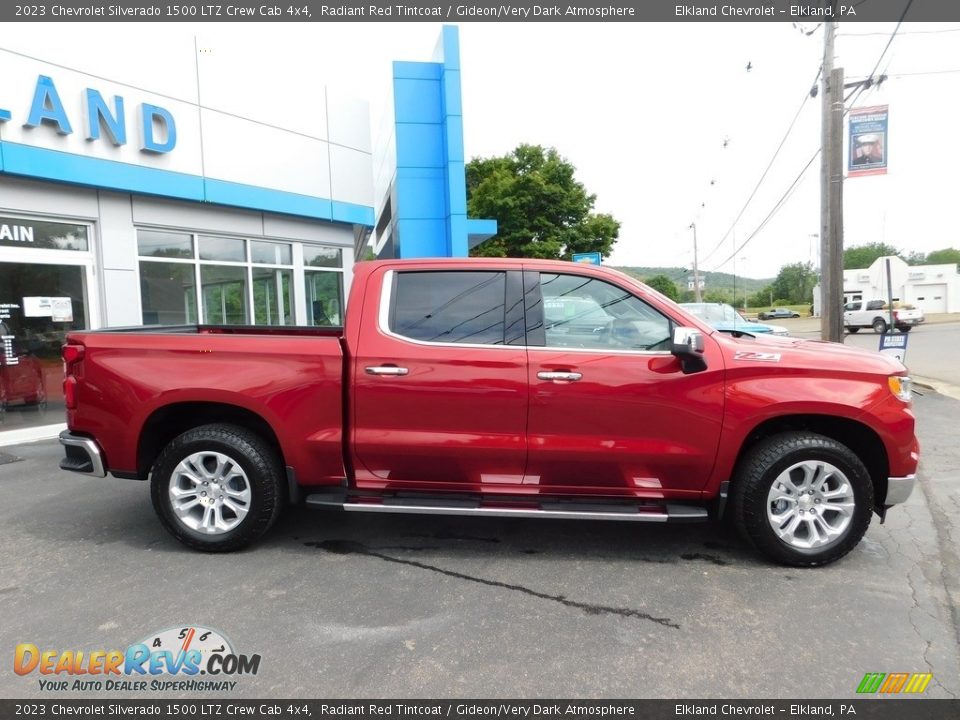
[[802, 499], [879, 325], [217, 488]]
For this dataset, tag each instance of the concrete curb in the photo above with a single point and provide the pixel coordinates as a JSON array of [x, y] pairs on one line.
[[34, 434], [944, 388]]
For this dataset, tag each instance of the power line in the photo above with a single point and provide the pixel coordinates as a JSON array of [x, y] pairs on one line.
[[929, 72], [753, 193], [776, 208], [890, 41]]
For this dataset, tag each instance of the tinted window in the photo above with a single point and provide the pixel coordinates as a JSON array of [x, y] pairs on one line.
[[451, 307], [581, 312]]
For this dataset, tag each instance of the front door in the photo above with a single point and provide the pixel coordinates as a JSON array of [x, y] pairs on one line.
[[440, 382], [610, 410]]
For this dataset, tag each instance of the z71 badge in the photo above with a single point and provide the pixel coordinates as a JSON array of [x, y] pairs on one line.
[[759, 356]]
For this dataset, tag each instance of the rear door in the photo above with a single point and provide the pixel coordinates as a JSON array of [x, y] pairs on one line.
[[440, 381], [610, 410]]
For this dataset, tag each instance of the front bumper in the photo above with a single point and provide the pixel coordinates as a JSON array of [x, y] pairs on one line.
[[82, 455], [899, 489]]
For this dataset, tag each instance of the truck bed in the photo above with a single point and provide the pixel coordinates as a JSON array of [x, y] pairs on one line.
[[145, 382]]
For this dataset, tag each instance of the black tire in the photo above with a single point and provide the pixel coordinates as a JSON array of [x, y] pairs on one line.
[[263, 476], [795, 315], [905, 328], [879, 325], [760, 469], [853, 330]]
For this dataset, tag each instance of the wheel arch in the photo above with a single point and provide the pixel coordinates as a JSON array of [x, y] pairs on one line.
[[860, 438], [169, 421]]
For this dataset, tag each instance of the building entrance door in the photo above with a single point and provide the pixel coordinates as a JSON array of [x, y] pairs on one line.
[[39, 303]]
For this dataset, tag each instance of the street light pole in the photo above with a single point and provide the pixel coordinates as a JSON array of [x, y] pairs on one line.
[[696, 272]]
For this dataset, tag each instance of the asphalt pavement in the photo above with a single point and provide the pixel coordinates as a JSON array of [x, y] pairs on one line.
[[341, 605]]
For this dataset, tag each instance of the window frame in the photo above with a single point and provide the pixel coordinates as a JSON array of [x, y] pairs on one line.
[[388, 300], [540, 322], [296, 267]]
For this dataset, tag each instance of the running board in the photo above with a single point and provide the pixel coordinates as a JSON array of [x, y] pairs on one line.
[[559, 510]]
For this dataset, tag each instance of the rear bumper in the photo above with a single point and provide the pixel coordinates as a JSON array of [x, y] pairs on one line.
[[82, 455], [899, 489]]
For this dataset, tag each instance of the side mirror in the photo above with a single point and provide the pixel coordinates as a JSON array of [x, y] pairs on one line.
[[688, 347]]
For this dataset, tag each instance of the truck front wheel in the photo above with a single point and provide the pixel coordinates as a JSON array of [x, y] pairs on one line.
[[217, 487], [802, 499]]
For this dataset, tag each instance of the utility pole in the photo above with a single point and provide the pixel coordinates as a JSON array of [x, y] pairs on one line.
[[696, 272], [831, 193]]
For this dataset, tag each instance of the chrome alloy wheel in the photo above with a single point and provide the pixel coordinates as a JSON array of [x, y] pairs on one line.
[[810, 505], [209, 492]]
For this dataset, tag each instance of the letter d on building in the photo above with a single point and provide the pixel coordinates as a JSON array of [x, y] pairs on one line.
[[153, 118]]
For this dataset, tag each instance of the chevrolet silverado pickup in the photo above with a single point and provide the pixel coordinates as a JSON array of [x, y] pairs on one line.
[[496, 387]]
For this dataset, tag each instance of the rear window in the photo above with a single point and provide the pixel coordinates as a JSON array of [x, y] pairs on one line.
[[450, 307]]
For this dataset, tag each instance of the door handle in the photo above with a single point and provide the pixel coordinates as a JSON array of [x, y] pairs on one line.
[[556, 375], [387, 370]]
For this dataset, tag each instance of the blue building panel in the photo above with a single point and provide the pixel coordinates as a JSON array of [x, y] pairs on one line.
[[419, 145], [458, 236], [421, 197], [456, 189], [416, 70], [430, 182], [423, 237], [351, 213], [417, 101], [47, 164], [450, 39], [452, 101], [453, 130]]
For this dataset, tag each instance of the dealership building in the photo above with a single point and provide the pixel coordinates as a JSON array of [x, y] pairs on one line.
[[121, 205]]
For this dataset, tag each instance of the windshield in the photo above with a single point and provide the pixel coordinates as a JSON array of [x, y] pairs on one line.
[[713, 312]]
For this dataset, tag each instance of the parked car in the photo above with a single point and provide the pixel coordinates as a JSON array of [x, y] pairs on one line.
[[775, 313], [875, 314], [725, 318], [448, 392]]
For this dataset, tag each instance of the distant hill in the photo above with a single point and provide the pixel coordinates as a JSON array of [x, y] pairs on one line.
[[718, 281]]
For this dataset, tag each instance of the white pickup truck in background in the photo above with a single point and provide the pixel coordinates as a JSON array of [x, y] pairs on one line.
[[875, 314]]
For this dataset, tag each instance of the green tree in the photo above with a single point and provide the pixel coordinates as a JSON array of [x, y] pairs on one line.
[[942, 257], [862, 256], [541, 210], [795, 283], [665, 285], [761, 298]]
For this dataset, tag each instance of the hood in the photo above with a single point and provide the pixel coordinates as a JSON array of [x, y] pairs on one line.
[[797, 353]]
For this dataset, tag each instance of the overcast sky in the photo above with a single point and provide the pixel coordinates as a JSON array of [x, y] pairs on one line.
[[641, 109]]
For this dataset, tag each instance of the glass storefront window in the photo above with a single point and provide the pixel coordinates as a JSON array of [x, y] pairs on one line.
[[21, 233], [324, 298], [242, 280], [168, 293], [268, 253], [219, 248], [224, 291], [314, 256], [39, 304], [272, 297], [155, 243]]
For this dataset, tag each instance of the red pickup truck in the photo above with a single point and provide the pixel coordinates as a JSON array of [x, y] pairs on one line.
[[515, 388]]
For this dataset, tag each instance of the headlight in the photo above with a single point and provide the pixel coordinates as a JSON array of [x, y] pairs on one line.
[[901, 386]]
